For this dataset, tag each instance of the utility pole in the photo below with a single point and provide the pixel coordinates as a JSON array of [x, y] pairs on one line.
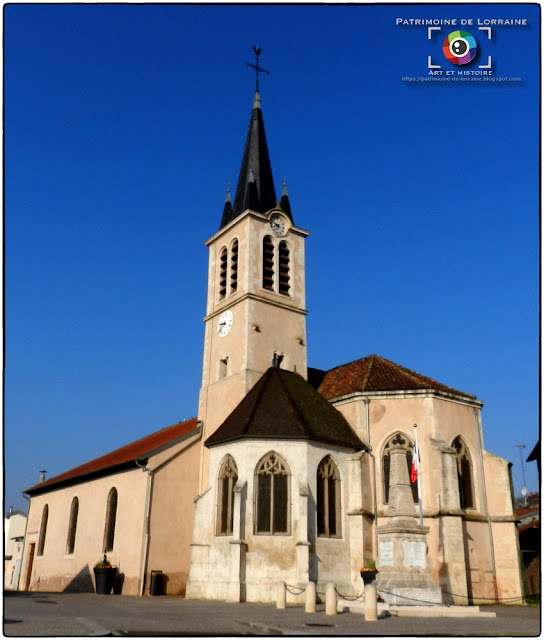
[[524, 488]]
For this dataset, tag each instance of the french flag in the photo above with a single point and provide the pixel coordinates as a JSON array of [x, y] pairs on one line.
[[414, 472]]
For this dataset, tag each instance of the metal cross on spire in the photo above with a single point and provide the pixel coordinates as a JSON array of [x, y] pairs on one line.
[[256, 66]]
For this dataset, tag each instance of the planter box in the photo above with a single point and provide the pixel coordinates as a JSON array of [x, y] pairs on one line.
[[368, 576], [104, 578]]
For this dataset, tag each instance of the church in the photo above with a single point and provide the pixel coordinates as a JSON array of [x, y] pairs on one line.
[[287, 473]]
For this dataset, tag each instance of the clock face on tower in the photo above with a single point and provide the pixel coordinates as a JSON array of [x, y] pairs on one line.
[[278, 224], [225, 323]]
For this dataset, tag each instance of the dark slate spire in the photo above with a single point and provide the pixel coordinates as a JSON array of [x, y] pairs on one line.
[[227, 210], [255, 188], [284, 202]]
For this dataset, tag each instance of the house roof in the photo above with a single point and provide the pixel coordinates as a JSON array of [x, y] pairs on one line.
[[375, 373], [282, 405], [122, 458]]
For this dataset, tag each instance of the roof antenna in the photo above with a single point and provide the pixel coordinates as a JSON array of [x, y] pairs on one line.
[[256, 67]]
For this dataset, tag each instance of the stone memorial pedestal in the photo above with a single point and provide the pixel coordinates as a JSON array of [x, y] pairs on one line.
[[404, 568], [404, 576]]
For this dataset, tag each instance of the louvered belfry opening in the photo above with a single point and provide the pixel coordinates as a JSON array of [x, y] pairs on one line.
[[284, 276], [234, 267], [223, 273], [268, 263]]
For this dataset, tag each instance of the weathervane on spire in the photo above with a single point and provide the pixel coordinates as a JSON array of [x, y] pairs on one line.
[[256, 66]]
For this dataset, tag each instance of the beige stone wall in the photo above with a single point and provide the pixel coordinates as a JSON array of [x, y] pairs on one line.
[[55, 570], [175, 486]]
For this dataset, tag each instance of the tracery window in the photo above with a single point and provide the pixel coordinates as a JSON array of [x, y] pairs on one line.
[[272, 495], [111, 516], [223, 257], [234, 267], [228, 476], [268, 263], [43, 530], [328, 499], [72, 527], [464, 474], [402, 439], [284, 275]]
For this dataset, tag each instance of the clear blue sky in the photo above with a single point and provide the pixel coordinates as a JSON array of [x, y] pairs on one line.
[[123, 124]]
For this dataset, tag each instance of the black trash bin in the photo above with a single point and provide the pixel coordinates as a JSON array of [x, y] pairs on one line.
[[155, 587]]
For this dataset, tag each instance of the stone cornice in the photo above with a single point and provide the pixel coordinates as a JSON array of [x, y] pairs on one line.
[[252, 296], [408, 393]]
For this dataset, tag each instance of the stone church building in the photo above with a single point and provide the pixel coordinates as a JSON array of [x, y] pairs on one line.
[[288, 473]]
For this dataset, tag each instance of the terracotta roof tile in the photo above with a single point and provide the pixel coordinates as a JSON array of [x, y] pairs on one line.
[[138, 450], [374, 373]]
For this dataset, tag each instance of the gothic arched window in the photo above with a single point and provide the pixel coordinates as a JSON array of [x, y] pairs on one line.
[[72, 526], [43, 530], [228, 476], [111, 515], [272, 495], [464, 474], [328, 499], [268, 263], [285, 277], [223, 256], [234, 267], [402, 439]]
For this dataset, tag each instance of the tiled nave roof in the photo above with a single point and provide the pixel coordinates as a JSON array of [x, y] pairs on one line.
[[119, 458]]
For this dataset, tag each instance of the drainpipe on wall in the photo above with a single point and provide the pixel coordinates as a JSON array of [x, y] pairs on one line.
[[375, 491], [489, 525], [143, 567]]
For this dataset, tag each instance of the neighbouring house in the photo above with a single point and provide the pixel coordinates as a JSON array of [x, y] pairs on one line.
[[14, 535]]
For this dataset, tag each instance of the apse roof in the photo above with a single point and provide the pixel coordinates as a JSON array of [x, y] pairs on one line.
[[121, 458], [375, 373], [282, 405]]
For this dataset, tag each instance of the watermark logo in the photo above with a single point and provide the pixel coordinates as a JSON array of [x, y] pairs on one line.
[[459, 47]]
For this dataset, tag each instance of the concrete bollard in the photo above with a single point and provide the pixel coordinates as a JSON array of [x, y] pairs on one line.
[[282, 595], [371, 602], [310, 597], [330, 600]]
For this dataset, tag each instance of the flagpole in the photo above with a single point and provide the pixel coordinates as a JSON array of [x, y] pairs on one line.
[[416, 453]]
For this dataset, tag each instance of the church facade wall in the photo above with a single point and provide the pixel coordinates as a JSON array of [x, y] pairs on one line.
[[467, 546], [57, 570], [261, 560]]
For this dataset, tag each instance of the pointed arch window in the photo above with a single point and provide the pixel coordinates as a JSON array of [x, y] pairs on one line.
[[223, 258], [228, 476], [111, 516], [272, 495], [328, 499], [234, 267], [268, 263], [464, 474], [72, 527], [43, 530], [284, 270], [403, 439]]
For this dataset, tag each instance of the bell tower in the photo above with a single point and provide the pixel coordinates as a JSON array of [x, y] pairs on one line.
[[255, 314]]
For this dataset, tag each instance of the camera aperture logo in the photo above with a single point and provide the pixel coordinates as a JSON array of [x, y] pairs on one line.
[[460, 55], [460, 47]]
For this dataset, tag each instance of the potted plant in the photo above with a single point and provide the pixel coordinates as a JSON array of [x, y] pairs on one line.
[[369, 571], [104, 575]]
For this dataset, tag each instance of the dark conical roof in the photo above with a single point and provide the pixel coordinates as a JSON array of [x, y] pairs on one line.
[[255, 188], [283, 405]]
